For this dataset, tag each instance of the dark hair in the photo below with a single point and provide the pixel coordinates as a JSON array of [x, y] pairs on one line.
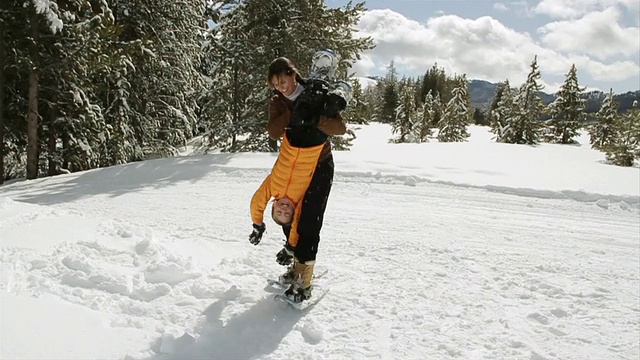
[[282, 66]]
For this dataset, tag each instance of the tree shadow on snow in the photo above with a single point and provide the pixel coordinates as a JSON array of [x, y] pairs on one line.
[[258, 331], [117, 180]]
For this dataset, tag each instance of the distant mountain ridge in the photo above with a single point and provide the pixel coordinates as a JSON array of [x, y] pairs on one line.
[[481, 93]]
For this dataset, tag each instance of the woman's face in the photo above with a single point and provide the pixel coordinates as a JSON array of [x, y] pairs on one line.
[[284, 83]]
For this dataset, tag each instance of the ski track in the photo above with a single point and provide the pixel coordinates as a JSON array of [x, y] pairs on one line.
[[464, 274]]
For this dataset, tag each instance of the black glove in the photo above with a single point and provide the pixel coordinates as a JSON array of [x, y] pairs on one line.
[[256, 234], [285, 256], [334, 104], [308, 106]]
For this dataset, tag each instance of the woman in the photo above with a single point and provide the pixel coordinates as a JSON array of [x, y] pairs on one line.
[[303, 130]]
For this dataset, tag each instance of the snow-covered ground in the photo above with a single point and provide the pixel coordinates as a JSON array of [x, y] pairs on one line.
[[472, 250]]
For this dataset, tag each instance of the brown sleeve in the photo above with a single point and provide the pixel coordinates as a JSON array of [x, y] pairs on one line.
[[332, 125], [279, 117]]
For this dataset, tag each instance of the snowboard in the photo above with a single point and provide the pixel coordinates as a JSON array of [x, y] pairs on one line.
[[276, 282], [318, 292]]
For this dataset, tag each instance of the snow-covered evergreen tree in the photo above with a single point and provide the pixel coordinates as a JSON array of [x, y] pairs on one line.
[[434, 81], [12, 94], [2, 94], [423, 130], [373, 95], [625, 148], [438, 110], [457, 116], [496, 100], [406, 115], [72, 116], [164, 80], [505, 109], [524, 125], [230, 104], [173, 74], [603, 133], [248, 35], [480, 117], [120, 116], [390, 96], [357, 111], [567, 111]]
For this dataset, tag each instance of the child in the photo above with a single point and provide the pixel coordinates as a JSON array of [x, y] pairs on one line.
[[304, 113]]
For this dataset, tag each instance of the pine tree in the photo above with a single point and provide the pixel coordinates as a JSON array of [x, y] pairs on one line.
[[438, 110], [417, 91], [3, 55], [390, 97], [496, 100], [72, 116], [125, 90], [174, 74], [14, 87], [524, 127], [406, 115], [96, 83], [504, 112], [357, 109], [165, 80], [457, 115], [602, 132], [34, 85], [426, 118], [372, 95], [375, 100], [626, 145], [434, 82], [233, 82], [390, 103], [248, 35], [480, 117], [567, 111]]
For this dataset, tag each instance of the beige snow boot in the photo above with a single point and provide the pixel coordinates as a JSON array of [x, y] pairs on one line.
[[300, 289], [305, 273]]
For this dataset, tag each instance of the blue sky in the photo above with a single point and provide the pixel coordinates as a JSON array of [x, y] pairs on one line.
[[497, 40]]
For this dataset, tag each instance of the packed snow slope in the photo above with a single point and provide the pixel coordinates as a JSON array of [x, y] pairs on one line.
[[472, 250]]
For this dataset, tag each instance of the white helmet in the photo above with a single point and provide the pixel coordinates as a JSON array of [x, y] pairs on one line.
[[324, 64]]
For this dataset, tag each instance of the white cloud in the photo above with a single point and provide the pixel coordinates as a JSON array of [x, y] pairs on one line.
[[522, 8], [567, 9], [481, 48], [500, 6], [365, 65], [617, 71], [598, 34]]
